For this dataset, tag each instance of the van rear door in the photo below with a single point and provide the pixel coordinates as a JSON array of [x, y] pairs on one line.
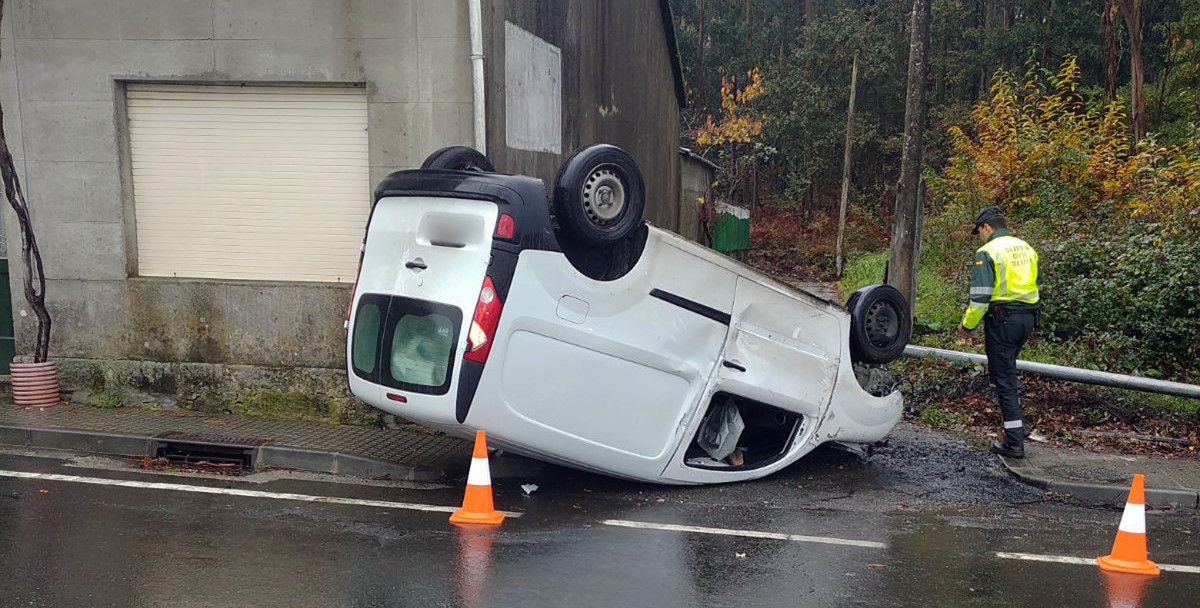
[[423, 265]]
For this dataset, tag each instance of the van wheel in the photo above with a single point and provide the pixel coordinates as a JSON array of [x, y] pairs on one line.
[[880, 324], [458, 158], [599, 196]]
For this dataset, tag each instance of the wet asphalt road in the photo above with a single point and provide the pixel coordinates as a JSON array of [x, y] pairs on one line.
[[942, 510]]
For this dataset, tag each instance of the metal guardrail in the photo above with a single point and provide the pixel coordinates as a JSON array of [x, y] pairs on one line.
[[1070, 374]]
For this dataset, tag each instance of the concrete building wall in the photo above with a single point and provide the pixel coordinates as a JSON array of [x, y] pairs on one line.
[[208, 343], [64, 62], [618, 87]]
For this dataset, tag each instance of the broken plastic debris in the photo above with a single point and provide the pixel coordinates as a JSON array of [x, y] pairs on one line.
[[529, 488], [705, 461]]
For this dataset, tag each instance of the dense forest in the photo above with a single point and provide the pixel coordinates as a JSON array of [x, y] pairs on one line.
[[803, 50], [1081, 119]]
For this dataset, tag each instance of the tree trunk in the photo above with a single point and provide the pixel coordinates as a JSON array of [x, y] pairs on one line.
[[1164, 79], [811, 203], [1132, 9], [700, 56], [1046, 21], [1108, 17], [35, 278], [753, 182], [901, 270], [810, 12], [841, 235], [749, 16]]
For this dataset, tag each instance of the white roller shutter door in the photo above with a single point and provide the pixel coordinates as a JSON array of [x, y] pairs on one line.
[[249, 182]]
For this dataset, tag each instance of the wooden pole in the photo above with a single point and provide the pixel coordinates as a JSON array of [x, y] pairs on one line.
[[841, 235], [700, 21], [1111, 57], [902, 274]]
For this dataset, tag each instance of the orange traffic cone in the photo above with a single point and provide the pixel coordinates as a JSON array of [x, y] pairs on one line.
[[477, 502], [1129, 548]]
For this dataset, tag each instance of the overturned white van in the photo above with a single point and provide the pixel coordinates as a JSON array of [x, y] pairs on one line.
[[574, 333]]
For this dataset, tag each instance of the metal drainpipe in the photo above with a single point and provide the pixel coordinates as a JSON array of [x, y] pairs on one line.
[[1071, 374], [480, 122]]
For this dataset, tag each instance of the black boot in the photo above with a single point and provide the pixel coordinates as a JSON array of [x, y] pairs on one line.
[[1006, 449]]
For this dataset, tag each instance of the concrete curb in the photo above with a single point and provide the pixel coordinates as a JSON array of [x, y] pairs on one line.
[[276, 456], [1109, 494]]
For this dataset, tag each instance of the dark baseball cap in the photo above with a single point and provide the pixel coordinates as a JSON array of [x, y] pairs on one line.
[[985, 215]]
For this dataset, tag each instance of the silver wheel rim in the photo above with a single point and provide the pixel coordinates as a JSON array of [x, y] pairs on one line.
[[603, 197]]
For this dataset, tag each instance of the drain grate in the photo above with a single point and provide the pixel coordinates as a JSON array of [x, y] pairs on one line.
[[191, 449]]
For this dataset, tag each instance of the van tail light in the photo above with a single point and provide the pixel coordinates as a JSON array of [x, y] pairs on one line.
[[484, 323], [506, 226], [354, 289]]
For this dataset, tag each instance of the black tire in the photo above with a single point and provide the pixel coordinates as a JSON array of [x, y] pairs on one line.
[[880, 324], [599, 196], [458, 158]]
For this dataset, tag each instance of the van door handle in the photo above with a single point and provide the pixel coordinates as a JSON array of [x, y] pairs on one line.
[[733, 365], [417, 264]]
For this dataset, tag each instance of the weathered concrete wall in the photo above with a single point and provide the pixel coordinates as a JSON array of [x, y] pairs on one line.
[[63, 62], [617, 87], [206, 343], [298, 393]]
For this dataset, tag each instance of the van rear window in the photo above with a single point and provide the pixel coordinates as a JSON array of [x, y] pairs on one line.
[[405, 343]]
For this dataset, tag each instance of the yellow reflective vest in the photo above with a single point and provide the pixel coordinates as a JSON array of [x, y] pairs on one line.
[[1005, 270]]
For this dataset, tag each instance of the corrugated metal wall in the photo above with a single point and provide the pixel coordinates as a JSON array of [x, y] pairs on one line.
[[617, 88], [249, 182]]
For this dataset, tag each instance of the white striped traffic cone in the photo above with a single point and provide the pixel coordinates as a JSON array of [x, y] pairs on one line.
[[477, 501], [1129, 548]]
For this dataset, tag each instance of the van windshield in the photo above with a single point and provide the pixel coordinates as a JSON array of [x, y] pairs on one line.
[[405, 343]]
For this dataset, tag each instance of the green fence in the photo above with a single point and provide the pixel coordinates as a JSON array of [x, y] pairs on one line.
[[731, 228]]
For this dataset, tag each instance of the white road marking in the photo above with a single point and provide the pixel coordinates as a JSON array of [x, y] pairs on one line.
[[1083, 561], [179, 487], [799, 538]]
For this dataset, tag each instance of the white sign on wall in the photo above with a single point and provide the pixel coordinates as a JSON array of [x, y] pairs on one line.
[[532, 91]]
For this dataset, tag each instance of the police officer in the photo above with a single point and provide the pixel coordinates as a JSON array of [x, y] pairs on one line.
[[1004, 295]]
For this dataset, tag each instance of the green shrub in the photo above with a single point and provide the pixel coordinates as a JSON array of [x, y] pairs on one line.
[[1132, 297], [1117, 226]]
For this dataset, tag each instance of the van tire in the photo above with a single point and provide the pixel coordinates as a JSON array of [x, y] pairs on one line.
[[880, 324], [458, 158], [599, 196]]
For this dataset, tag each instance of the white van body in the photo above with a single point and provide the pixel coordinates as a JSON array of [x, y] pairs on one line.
[[613, 376]]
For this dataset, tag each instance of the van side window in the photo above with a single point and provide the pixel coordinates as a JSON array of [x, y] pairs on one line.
[[405, 343], [367, 326], [421, 349]]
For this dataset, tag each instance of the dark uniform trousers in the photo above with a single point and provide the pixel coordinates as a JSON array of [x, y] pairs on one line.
[[1005, 332]]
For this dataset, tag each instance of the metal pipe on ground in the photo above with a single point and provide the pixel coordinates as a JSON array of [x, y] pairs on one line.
[[1070, 374]]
